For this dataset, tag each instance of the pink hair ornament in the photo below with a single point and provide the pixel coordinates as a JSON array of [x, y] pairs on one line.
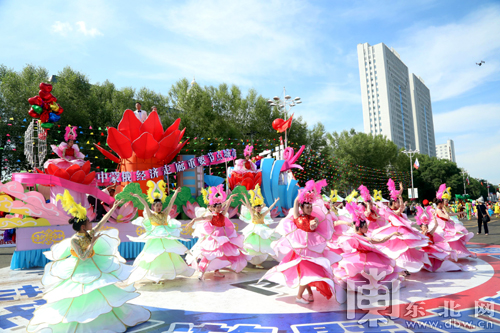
[[365, 193], [441, 191], [70, 133], [392, 189], [216, 195], [248, 150]]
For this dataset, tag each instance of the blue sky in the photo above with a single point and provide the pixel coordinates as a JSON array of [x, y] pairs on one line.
[[309, 47]]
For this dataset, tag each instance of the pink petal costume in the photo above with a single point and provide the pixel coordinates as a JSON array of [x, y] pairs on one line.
[[305, 257], [219, 245], [364, 264], [67, 156], [455, 234], [438, 249], [404, 248]]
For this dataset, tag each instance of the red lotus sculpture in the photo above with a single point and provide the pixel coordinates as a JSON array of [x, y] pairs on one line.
[[74, 173], [247, 179], [142, 146]]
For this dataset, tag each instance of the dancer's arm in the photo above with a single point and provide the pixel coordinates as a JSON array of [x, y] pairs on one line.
[[386, 238], [144, 203], [171, 203], [435, 225], [296, 212], [107, 216], [228, 204], [246, 203], [270, 208], [336, 223]]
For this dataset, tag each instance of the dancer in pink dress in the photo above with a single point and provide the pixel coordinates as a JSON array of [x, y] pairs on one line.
[[363, 264], [374, 220], [341, 224], [219, 245], [455, 234], [403, 248], [245, 165], [438, 250], [305, 259], [68, 151]]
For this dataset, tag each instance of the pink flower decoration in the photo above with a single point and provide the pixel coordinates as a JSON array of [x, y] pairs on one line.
[[173, 213], [189, 209], [123, 214]]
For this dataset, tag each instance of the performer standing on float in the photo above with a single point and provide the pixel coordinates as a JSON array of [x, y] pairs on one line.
[[219, 245], [403, 248], [68, 151], [161, 257], [80, 280], [455, 234], [246, 165], [258, 235], [305, 258]]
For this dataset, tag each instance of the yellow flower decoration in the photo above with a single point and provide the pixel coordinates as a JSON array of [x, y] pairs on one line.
[[447, 194], [205, 196], [156, 191], [334, 196], [71, 207], [377, 195], [256, 198], [352, 196]]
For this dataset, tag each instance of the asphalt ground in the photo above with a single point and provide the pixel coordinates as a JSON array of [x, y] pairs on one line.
[[492, 238]]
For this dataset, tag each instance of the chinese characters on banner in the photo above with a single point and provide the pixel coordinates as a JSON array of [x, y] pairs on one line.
[[220, 156]]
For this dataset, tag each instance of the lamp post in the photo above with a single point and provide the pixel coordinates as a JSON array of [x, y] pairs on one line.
[[410, 153], [284, 105], [464, 172]]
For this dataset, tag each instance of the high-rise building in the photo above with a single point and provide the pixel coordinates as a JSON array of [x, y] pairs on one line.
[[446, 151], [422, 116], [396, 104]]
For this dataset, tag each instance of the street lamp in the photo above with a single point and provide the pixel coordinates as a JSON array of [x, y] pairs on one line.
[[464, 172], [410, 153], [284, 105]]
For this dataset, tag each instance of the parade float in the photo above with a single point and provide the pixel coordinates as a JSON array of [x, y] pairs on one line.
[[144, 154]]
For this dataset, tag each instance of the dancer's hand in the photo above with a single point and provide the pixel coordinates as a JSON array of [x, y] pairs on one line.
[[313, 224], [117, 203]]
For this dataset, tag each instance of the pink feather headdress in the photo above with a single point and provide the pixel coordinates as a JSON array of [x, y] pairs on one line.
[[440, 192], [312, 191], [356, 213], [248, 150], [70, 133], [392, 189], [424, 216], [216, 195], [365, 193]]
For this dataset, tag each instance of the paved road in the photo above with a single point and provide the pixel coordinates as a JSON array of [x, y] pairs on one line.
[[492, 238]]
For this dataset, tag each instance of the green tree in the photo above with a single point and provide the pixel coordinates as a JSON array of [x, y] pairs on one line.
[[374, 151]]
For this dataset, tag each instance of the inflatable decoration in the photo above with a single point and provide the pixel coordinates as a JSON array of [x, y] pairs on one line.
[[245, 172], [281, 125], [142, 146], [44, 107], [31, 206]]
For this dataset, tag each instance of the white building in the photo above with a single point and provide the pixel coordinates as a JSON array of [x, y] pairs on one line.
[[446, 151], [422, 116], [396, 104]]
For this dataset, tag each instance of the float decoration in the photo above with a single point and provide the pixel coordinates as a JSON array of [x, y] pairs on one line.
[[143, 146], [44, 107], [281, 125], [75, 173]]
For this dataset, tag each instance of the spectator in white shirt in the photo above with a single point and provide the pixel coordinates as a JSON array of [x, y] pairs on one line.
[[140, 114]]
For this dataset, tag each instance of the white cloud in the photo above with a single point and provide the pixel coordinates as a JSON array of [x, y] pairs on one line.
[[445, 56], [93, 32], [62, 28], [468, 118], [234, 41], [65, 28]]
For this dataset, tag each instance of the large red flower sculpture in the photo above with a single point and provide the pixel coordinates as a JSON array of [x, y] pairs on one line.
[[247, 179], [142, 146], [75, 173]]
